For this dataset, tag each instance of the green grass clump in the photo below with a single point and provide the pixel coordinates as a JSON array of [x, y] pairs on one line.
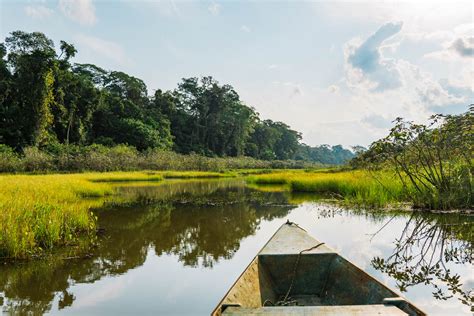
[[273, 178], [354, 187], [39, 212]]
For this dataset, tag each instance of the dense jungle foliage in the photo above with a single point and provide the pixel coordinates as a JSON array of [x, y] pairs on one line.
[[49, 103]]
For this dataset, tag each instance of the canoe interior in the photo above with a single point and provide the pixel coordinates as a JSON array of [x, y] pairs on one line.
[[323, 278]]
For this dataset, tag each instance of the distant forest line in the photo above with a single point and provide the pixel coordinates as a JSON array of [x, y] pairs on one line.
[[50, 103]]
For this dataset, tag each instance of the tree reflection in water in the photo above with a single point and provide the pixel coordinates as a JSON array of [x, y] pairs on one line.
[[200, 222], [426, 245]]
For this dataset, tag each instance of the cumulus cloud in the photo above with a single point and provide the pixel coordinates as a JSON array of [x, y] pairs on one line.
[[367, 56], [81, 11], [214, 8], [464, 47], [108, 49], [366, 61], [38, 11], [394, 87]]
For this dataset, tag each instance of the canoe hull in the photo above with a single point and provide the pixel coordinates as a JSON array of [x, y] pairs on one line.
[[316, 278]]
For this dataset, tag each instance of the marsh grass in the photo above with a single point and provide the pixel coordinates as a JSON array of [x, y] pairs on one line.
[[281, 177], [41, 212], [353, 187]]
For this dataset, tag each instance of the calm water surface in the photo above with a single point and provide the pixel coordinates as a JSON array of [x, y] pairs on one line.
[[176, 248]]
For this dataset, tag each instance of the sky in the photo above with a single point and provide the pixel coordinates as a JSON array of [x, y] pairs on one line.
[[338, 71]]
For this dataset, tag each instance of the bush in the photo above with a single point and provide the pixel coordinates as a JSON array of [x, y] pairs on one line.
[[9, 160], [36, 160]]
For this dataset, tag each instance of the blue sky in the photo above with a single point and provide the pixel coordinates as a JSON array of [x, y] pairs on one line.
[[338, 71]]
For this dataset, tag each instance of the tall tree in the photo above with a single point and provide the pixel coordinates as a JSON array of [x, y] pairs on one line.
[[209, 118], [31, 57]]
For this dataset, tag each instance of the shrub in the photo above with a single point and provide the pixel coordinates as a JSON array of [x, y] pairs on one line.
[[9, 160], [36, 160]]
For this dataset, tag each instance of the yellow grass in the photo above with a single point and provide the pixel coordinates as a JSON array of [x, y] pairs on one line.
[[355, 187], [39, 212]]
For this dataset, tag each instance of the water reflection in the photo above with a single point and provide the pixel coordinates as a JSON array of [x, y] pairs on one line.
[[427, 244], [199, 222], [195, 235]]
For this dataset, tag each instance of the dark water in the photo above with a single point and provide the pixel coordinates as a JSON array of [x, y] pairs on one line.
[[176, 248]]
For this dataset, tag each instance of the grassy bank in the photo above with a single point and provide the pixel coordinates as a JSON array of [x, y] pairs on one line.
[[354, 187], [40, 212]]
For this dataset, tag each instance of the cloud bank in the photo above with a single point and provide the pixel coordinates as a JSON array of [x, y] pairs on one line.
[[395, 87]]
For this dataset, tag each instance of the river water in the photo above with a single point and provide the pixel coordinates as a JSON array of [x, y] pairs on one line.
[[177, 247]]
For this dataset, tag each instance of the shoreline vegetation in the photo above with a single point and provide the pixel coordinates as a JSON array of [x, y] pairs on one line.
[[42, 212], [101, 158], [357, 188]]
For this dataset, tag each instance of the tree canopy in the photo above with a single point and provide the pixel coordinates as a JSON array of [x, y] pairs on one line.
[[45, 100]]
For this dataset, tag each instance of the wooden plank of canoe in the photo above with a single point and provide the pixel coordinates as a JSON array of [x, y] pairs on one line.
[[291, 239], [249, 288], [347, 310]]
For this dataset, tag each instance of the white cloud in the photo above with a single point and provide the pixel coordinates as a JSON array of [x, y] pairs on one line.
[[460, 48], [214, 8], [464, 47], [418, 15], [393, 87], [366, 62], [81, 11], [245, 28], [108, 49], [38, 11]]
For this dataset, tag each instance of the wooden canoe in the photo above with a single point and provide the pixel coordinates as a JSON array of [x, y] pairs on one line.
[[294, 274]]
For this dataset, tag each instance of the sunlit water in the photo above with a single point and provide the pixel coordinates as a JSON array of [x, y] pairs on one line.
[[176, 248]]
